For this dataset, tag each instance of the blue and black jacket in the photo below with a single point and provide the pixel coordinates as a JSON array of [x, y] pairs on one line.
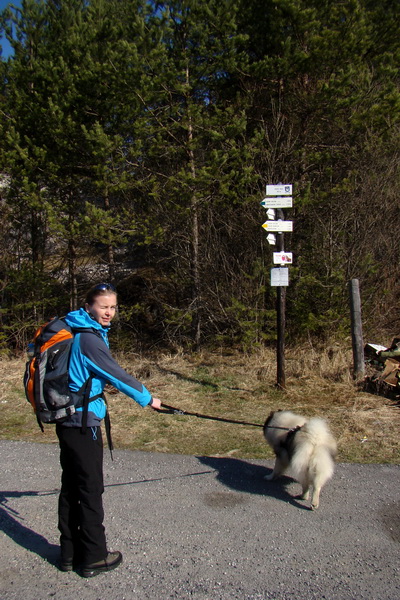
[[90, 356]]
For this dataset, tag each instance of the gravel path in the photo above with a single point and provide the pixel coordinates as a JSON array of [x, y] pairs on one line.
[[204, 529]]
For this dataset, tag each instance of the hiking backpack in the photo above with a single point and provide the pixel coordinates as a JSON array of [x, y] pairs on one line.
[[46, 374]]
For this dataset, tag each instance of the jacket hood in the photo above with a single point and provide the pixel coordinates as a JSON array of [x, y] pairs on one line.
[[80, 318]]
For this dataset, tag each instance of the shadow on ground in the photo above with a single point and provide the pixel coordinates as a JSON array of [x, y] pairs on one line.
[[246, 477], [10, 523]]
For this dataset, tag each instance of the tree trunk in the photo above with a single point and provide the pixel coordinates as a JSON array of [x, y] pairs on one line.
[[73, 295], [110, 247], [194, 209]]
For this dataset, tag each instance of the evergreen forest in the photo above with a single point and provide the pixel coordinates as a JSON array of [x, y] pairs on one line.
[[136, 141]]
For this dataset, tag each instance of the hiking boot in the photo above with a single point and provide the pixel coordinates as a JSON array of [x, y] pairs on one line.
[[111, 561], [66, 564]]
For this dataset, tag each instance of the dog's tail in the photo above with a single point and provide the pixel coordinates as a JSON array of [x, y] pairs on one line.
[[314, 453]]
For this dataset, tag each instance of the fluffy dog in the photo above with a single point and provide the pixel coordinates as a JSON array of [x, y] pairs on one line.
[[306, 446]]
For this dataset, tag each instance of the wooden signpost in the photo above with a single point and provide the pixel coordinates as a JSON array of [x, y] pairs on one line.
[[279, 197]]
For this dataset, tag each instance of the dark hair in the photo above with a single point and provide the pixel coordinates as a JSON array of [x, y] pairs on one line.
[[100, 289]]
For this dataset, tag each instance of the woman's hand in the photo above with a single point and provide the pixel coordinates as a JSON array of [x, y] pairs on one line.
[[155, 403]]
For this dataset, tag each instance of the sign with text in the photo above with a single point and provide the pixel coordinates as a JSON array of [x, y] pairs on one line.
[[277, 202], [280, 277], [279, 190], [283, 258], [279, 226]]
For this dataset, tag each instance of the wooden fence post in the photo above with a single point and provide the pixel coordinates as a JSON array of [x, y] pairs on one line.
[[356, 330]]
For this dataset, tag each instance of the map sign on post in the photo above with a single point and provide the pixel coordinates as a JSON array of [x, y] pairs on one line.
[[280, 277], [279, 190]]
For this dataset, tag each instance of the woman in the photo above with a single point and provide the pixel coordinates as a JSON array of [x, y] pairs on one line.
[[80, 509]]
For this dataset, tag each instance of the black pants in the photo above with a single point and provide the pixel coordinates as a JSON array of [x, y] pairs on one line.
[[80, 506]]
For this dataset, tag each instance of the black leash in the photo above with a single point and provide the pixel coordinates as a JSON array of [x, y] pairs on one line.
[[178, 411]]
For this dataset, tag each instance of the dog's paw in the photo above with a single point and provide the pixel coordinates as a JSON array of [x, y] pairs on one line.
[[270, 477], [314, 503], [315, 499]]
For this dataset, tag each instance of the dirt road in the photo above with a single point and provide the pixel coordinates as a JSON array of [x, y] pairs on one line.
[[204, 529]]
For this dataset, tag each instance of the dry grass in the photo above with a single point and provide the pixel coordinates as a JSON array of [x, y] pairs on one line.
[[233, 386]]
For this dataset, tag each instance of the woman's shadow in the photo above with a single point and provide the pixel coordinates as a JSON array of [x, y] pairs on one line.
[[247, 477], [10, 523]]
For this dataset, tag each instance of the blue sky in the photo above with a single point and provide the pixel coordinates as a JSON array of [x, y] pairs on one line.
[[6, 49]]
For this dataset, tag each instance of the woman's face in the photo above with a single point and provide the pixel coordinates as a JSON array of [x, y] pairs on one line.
[[103, 308]]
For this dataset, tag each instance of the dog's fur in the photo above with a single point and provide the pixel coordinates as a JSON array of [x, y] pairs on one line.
[[306, 446]]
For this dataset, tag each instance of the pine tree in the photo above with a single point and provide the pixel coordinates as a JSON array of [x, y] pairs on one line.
[[66, 125], [192, 155], [324, 90]]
